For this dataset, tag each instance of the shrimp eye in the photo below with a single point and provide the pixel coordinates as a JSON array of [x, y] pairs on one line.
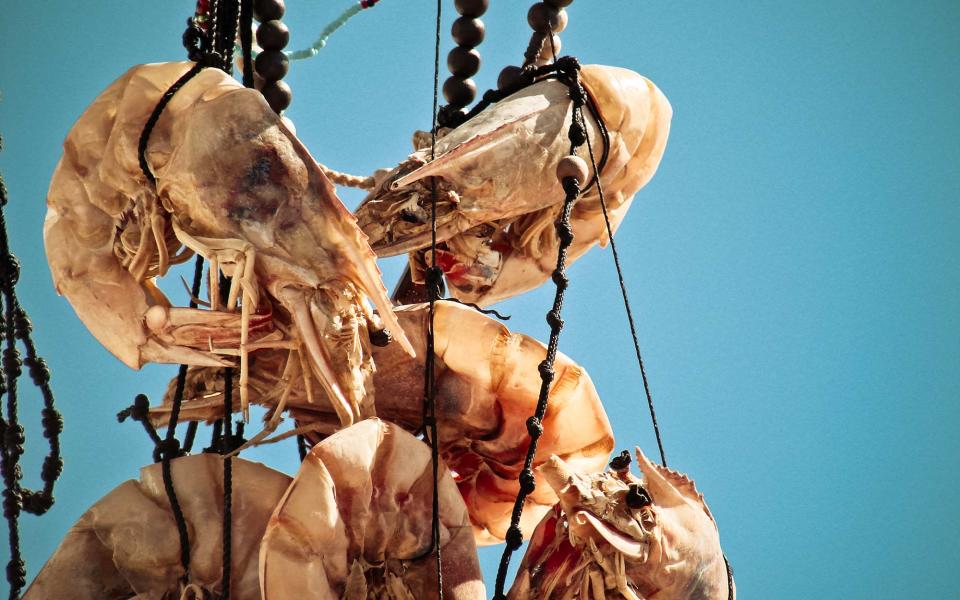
[[638, 497]]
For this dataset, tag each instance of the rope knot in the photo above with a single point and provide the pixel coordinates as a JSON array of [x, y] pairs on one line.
[[534, 427], [9, 270], [514, 537], [167, 449], [568, 65], [37, 503], [528, 482]]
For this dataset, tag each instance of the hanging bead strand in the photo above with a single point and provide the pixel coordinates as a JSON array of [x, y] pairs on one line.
[[463, 61], [272, 64], [547, 19]]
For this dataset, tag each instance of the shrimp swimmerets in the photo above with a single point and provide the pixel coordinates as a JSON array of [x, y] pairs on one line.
[[126, 545], [614, 535], [356, 523], [497, 190], [487, 388], [236, 186]]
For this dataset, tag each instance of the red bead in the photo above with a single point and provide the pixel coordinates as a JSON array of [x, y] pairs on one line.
[[278, 95], [463, 62], [472, 8], [459, 91], [268, 10], [273, 35], [468, 31]]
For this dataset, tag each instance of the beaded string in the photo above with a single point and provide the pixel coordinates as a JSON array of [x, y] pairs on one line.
[[331, 28], [463, 61], [17, 326], [572, 172]]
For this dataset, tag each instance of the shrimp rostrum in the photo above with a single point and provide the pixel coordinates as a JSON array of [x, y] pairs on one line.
[[127, 546], [486, 388], [496, 186], [236, 186], [615, 535], [356, 523]]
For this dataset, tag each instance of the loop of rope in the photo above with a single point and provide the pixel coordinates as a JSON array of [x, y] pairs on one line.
[[17, 327]]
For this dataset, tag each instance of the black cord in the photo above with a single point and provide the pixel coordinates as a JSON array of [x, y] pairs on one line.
[[226, 447], [572, 189], [626, 304], [17, 326], [434, 279]]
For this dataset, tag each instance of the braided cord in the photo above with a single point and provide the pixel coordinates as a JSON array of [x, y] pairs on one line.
[[569, 71], [17, 326]]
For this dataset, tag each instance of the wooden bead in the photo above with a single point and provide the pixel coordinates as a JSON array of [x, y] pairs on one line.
[[268, 10], [273, 35], [548, 50], [544, 18], [468, 31], [278, 95], [463, 62], [272, 64], [573, 166], [509, 78], [559, 3], [472, 8], [459, 91]]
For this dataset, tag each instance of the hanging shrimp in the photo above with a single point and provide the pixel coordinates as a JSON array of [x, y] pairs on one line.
[[614, 535], [487, 388], [497, 190], [126, 545], [356, 524], [233, 184]]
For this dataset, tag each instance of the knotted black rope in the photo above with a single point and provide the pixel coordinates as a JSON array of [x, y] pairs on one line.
[[434, 277], [17, 326], [568, 70], [213, 51]]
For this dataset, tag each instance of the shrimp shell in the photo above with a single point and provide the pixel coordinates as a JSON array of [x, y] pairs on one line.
[[487, 388], [126, 545], [356, 523], [498, 191]]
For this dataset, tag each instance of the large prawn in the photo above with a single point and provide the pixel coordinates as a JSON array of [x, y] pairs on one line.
[[487, 387], [235, 185], [126, 545], [497, 190], [356, 524], [614, 535]]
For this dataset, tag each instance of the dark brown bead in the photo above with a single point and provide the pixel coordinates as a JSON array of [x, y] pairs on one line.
[[268, 10], [509, 77], [273, 35], [459, 91], [278, 95], [272, 64], [559, 3], [468, 31], [463, 62], [472, 8], [543, 18]]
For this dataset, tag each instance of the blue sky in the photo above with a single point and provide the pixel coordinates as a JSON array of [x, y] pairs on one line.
[[793, 263]]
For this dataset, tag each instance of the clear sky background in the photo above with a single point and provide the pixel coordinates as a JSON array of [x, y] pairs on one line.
[[793, 263]]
